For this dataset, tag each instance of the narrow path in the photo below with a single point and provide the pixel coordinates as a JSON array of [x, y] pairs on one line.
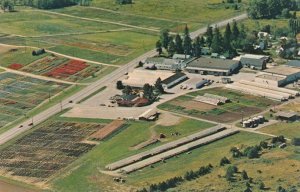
[[39, 76], [62, 55], [136, 15], [76, 33], [96, 20]]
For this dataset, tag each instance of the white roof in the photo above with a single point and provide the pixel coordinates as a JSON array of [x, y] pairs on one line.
[[251, 56], [139, 77]]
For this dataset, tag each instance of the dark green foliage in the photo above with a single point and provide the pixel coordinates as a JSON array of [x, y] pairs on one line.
[[281, 189], [124, 2], [178, 44], [261, 185], [252, 152], [279, 139], [159, 47], [236, 153], [158, 86], [148, 91], [51, 4], [187, 41], [244, 175], [224, 161], [120, 85], [165, 38], [231, 170]]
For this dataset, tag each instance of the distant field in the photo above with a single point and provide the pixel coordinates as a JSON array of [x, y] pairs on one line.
[[289, 130], [116, 148], [191, 11], [241, 105]]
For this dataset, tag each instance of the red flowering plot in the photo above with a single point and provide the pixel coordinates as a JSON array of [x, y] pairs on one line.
[[15, 66]]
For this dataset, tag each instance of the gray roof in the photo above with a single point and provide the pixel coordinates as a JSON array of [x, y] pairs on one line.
[[286, 114], [211, 63], [253, 62], [294, 63], [173, 78]]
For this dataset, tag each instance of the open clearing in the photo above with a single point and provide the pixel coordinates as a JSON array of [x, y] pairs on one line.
[[193, 12], [20, 94], [241, 105], [289, 130]]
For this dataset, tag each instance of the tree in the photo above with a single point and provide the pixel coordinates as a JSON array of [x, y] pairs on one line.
[[158, 86], [235, 31], [127, 90], [261, 185], [280, 189], [165, 38], [244, 175], [224, 161], [171, 48], [159, 47], [179, 44], [231, 170], [296, 141], [7, 5], [187, 41], [148, 91], [120, 85], [209, 35], [227, 38], [197, 47], [216, 44]]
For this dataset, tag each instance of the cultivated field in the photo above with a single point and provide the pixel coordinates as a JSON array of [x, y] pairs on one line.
[[88, 174], [50, 65], [51, 147], [20, 94], [241, 105]]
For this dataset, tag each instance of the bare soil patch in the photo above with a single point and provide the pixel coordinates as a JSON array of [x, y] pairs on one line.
[[107, 130]]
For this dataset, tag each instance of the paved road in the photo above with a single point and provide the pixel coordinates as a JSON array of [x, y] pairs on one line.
[[8, 135]]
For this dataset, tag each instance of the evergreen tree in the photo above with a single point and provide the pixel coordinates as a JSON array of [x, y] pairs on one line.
[[209, 36], [187, 41], [179, 44], [197, 47], [171, 48], [158, 86], [159, 47], [165, 38], [216, 44], [227, 37]]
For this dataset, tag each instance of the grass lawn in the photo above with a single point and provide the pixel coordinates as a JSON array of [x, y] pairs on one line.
[[202, 12], [185, 127], [289, 130]]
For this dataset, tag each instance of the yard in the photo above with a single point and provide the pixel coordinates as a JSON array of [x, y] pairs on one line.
[[20, 94], [241, 105]]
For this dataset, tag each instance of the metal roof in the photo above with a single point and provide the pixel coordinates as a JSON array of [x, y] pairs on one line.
[[211, 63]]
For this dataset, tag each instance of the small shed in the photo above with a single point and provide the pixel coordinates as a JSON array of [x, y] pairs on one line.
[[286, 116]]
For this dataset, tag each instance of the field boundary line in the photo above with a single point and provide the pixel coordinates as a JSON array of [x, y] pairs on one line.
[[97, 20]]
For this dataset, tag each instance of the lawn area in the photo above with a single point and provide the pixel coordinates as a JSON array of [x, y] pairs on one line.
[[240, 105], [289, 130], [184, 128], [192, 11]]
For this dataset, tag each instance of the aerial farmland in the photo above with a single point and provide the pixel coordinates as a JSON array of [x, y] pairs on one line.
[[149, 96]]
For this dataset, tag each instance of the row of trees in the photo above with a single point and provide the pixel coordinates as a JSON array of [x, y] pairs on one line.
[[267, 9], [173, 182], [42, 4], [180, 44]]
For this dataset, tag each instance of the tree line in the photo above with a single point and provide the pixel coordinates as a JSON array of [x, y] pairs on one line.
[[42, 4], [269, 9]]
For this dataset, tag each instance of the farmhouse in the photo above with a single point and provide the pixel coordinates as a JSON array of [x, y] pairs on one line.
[[139, 77], [210, 66], [282, 74], [286, 116], [254, 61]]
